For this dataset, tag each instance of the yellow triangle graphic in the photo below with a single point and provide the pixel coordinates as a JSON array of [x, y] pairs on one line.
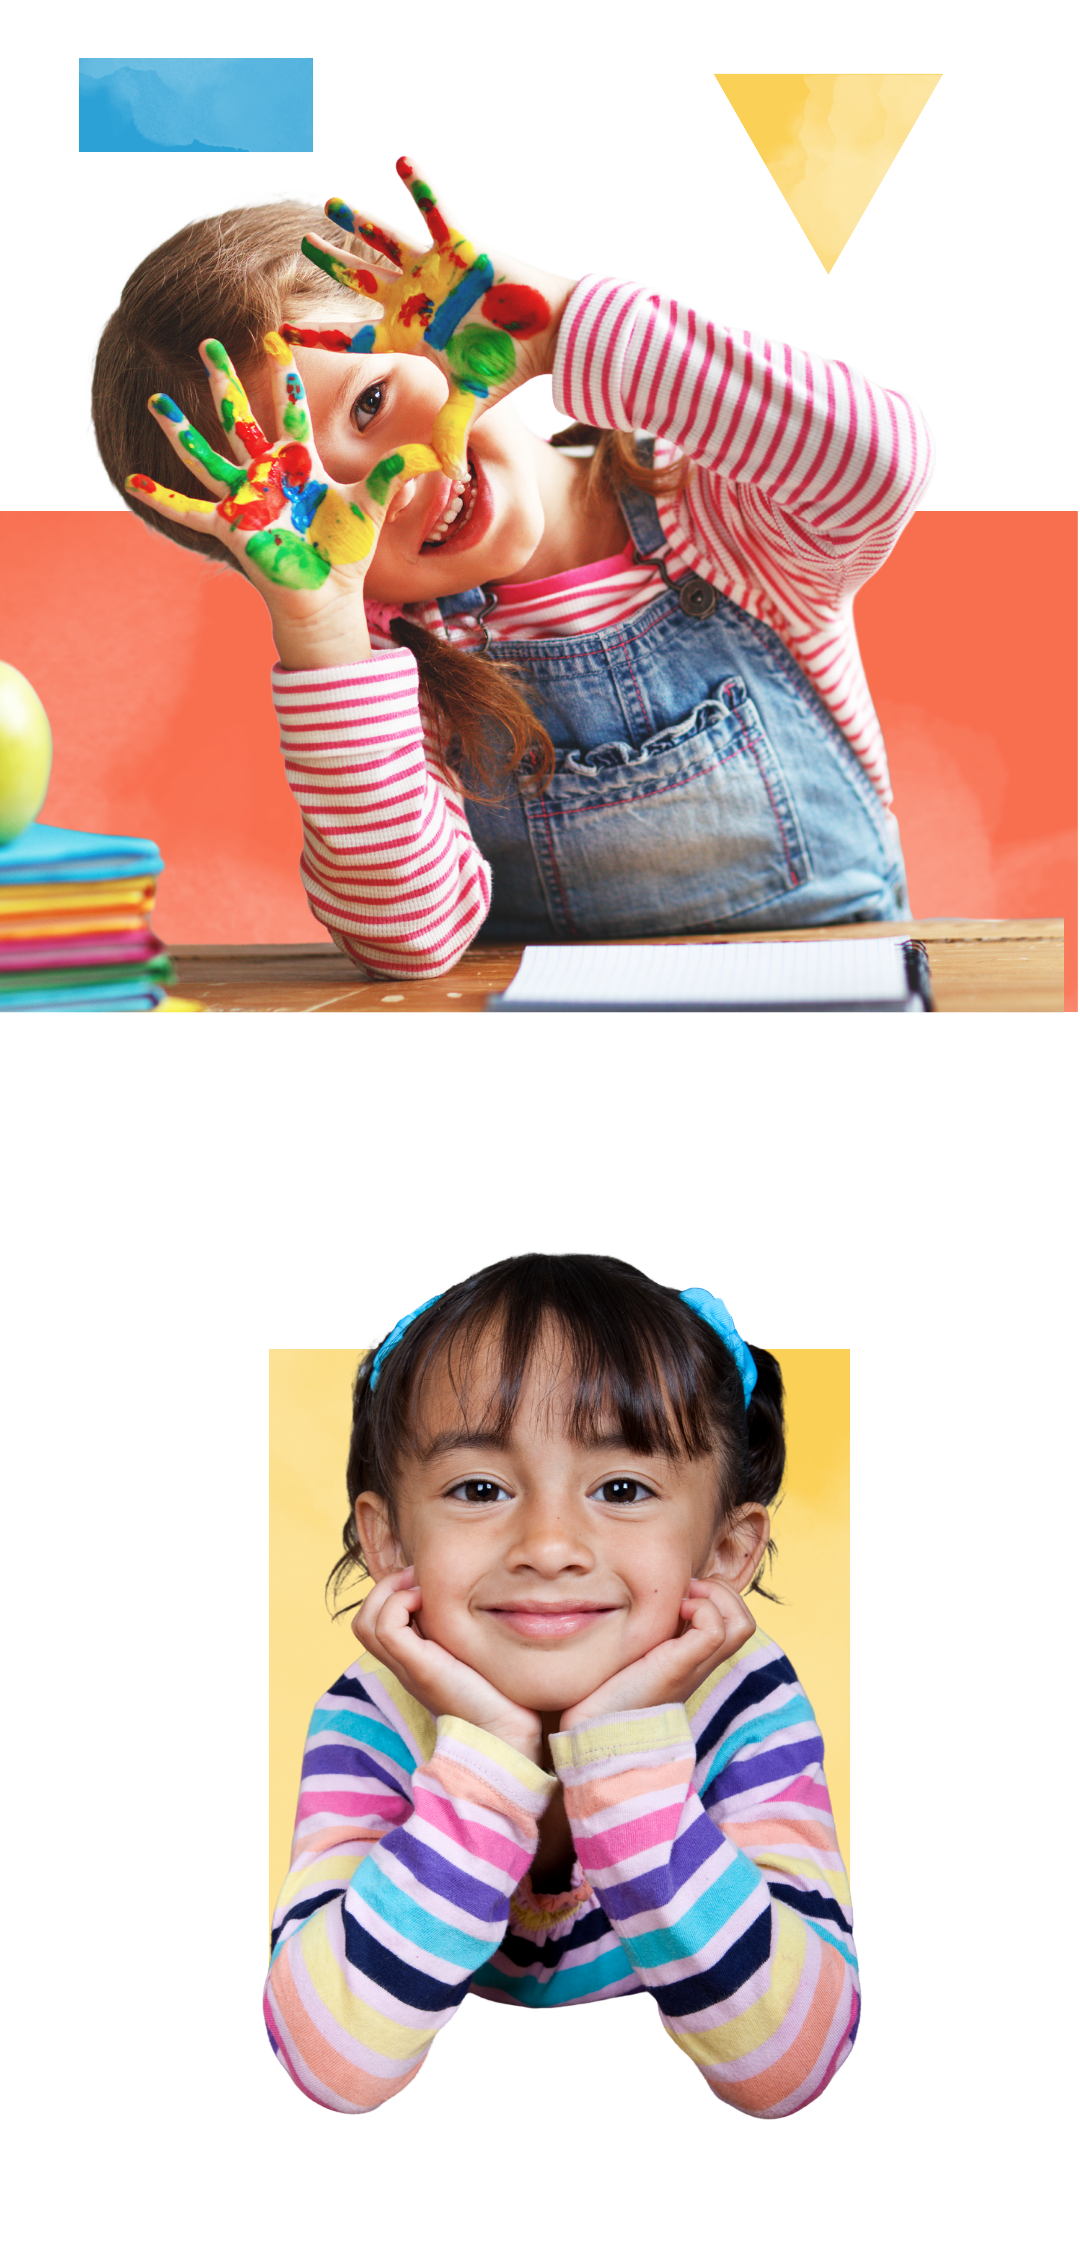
[[828, 141]]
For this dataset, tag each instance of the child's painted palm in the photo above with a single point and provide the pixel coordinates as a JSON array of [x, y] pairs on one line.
[[444, 301], [277, 510]]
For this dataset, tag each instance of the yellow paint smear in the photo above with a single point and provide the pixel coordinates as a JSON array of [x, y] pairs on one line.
[[828, 140]]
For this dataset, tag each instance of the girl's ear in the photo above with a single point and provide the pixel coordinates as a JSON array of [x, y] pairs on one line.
[[741, 1545], [382, 1553]]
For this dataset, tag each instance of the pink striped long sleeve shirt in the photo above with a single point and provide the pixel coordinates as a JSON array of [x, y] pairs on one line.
[[803, 475]]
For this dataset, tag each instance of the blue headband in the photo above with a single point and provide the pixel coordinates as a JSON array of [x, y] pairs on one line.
[[701, 1301]]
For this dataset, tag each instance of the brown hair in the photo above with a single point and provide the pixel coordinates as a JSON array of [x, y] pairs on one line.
[[642, 1362], [233, 277]]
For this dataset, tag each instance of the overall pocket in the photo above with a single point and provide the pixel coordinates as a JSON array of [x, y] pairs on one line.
[[694, 827]]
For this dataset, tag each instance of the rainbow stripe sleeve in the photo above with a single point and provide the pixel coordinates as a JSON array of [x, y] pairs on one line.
[[399, 1889], [708, 1873], [714, 1858]]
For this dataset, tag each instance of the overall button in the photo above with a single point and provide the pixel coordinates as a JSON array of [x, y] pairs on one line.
[[696, 598]]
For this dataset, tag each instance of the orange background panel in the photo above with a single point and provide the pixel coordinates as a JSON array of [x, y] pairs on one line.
[[154, 669]]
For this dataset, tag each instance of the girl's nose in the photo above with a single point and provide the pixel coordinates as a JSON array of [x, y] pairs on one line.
[[550, 1538]]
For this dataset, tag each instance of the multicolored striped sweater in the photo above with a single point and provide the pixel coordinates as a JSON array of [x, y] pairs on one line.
[[707, 1872], [803, 475]]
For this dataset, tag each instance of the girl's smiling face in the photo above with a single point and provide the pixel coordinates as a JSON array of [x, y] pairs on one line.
[[363, 407], [544, 1563]]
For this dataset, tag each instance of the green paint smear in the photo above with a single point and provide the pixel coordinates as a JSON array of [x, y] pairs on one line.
[[285, 558], [296, 424], [323, 259], [481, 358], [380, 481], [232, 475], [225, 412], [218, 355]]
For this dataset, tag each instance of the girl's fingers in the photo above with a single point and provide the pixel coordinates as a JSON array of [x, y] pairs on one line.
[[406, 463], [426, 202], [366, 340], [216, 472], [378, 239], [188, 510], [232, 404], [290, 399], [343, 267]]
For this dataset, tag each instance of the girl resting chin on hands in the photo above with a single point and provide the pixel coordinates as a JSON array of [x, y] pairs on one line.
[[566, 1765], [637, 666]]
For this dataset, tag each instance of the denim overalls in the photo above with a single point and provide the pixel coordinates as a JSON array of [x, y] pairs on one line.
[[700, 783]]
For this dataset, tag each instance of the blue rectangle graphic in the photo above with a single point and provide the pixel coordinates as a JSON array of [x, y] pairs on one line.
[[190, 103]]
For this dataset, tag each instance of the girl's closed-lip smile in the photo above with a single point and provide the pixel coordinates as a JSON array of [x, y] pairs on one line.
[[548, 1621]]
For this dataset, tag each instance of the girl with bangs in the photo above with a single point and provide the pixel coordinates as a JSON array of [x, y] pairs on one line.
[[566, 1765], [633, 663]]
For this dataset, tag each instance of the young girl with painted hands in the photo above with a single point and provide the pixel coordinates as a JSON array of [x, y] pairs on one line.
[[638, 670], [566, 1765]]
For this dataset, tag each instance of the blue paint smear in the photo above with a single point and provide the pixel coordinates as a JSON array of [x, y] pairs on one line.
[[364, 340], [191, 104], [453, 310]]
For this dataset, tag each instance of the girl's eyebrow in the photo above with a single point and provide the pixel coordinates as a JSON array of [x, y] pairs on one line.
[[474, 1441], [456, 1441]]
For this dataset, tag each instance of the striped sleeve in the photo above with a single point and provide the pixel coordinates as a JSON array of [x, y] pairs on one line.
[[804, 471], [389, 864], [730, 1901], [399, 1891]]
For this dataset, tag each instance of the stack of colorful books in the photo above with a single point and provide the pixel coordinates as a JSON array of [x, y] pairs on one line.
[[75, 932]]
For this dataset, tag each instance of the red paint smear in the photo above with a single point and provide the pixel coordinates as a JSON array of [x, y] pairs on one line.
[[331, 341], [144, 485], [417, 309], [265, 508], [518, 308], [431, 212], [253, 438], [377, 241], [295, 462]]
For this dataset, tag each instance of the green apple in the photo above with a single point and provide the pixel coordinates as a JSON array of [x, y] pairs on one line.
[[25, 753]]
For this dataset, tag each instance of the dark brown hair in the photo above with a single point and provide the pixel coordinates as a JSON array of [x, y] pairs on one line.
[[640, 1360], [232, 277]]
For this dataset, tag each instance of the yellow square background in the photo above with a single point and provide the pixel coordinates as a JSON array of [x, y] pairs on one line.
[[310, 1420]]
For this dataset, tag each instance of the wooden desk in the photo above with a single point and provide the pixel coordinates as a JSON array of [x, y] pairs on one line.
[[988, 966]]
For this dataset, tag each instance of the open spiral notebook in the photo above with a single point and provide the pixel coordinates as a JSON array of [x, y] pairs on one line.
[[881, 975]]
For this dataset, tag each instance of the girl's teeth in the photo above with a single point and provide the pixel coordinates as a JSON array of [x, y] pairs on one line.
[[454, 507]]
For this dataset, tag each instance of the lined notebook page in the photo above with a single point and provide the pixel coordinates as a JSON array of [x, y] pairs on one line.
[[748, 977]]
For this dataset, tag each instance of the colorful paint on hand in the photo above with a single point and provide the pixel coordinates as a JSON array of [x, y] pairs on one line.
[[293, 408], [331, 341], [233, 406], [353, 224], [518, 308], [425, 305], [298, 526], [481, 359]]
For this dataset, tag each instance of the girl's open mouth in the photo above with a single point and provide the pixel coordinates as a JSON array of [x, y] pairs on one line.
[[467, 515]]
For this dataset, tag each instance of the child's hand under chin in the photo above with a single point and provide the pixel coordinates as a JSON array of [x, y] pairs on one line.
[[717, 1624], [433, 1675]]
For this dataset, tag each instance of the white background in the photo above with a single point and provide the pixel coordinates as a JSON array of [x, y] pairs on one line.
[[593, 136], [186, 1192]]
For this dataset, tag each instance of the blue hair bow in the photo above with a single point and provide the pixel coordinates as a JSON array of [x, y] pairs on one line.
[[701, 1301], [710, 1308]]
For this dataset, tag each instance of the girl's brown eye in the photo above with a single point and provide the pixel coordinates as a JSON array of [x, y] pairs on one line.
[[619, 1490], [367, 405]]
